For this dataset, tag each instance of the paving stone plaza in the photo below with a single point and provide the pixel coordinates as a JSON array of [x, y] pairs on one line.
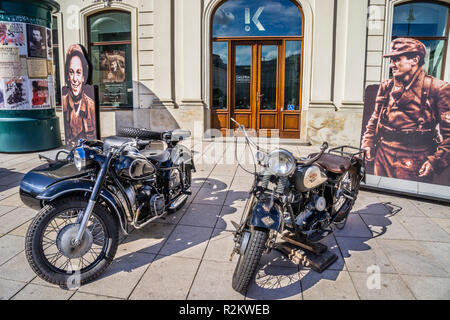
[[392, 247]]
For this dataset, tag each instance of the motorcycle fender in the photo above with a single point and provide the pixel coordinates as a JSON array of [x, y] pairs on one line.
[[262, 217], [66, 187]]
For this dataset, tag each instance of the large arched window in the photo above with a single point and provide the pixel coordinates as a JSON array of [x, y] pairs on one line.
[[110, 52], [256, 64], [426, 21]]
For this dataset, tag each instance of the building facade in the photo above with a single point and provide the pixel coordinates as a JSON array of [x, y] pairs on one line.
[[293, 68]]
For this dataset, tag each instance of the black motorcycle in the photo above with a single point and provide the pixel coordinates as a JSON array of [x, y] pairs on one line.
[[121, 183], [303, 197]]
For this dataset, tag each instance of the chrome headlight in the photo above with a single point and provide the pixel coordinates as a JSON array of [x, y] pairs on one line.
[[80, 158], [281, 162]]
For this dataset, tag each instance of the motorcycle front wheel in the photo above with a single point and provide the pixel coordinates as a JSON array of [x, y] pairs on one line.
[[248, 262], [49, 250]]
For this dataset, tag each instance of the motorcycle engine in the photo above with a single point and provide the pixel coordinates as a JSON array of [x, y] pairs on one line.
[[157, 204], [175, 179], [313, 213]]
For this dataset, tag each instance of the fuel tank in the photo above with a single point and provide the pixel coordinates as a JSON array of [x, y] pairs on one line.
[[309, 177]]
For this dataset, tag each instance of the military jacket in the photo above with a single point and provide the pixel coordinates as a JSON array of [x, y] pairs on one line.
[[415, 108]]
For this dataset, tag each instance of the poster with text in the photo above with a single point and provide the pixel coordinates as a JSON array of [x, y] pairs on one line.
[[12, 34], [40, 94], [16, 97]]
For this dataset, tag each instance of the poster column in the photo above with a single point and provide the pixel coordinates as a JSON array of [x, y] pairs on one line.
[[28, 119]]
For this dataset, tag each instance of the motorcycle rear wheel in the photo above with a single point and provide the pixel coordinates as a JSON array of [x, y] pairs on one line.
[[350, 183], [47, 243], [248, 262]]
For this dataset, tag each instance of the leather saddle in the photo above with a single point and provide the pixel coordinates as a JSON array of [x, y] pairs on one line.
[[332, 162]]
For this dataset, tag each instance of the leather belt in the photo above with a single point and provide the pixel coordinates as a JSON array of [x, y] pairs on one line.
[[408, 136]]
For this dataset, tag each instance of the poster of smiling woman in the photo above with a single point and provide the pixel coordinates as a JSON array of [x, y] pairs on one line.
[[80, 110], [407, 132]]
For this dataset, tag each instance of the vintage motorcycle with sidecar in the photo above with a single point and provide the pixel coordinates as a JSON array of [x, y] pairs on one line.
[[305, 198], [101, 187]]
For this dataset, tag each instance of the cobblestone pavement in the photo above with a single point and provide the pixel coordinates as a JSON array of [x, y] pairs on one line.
[[391, 247]]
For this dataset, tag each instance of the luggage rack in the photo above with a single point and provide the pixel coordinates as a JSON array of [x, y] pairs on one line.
[[360, 154]]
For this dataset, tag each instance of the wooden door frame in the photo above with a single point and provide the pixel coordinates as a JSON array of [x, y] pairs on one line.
[[255, 85]]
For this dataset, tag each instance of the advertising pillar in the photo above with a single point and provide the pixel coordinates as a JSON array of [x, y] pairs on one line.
[[28, 120]]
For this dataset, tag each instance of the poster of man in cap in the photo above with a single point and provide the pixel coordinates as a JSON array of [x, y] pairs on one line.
[[408, 133]]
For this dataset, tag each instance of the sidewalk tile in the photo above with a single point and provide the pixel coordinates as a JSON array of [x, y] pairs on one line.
[[12, 200], [201, 215], [220, 246], [38, 292], [228, 214], [5, 209], [425, 229], [9, 288], [412, 258], [361, 253], [428, 288], [380, 286], [386, 227], [167, 278], [406, 207], [187, 241], [440, 252], [87, 296], [149, 239], [10, 246], [328, 285], [355, 227], [21, 230], [17, 269], [432, 209], [443, 223], [121, 276], [208, 285], [15, 218]]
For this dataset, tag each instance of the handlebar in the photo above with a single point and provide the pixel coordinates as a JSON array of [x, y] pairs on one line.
[[317, 156]]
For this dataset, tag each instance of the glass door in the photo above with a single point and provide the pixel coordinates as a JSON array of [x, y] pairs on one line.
[[243, 80], [267, 88]]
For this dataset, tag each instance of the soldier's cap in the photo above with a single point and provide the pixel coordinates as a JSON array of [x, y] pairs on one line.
[[401, 46]]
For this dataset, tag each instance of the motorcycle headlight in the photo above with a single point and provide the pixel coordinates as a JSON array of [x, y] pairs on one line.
[[80, 158], [281, 162]]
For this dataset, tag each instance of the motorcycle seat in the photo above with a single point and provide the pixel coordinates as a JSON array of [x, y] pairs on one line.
[[156, 155], [332, 162]]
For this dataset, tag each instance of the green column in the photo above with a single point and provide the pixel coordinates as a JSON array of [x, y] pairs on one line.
[[28, 120]]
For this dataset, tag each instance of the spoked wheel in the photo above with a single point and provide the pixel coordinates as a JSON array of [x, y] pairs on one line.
[[249, 260], [345, 197], [51, 253]]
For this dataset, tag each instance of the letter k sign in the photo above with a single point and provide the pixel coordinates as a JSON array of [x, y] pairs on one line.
[[254, 19]]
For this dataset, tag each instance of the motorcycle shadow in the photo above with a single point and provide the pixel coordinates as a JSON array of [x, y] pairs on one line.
[[279, 278], [201, 229]]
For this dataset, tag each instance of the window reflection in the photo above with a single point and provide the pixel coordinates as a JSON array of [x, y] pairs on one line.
[[268, 90], [110, 51], [426, 22], [243, 77], [219, 63], [239, 18], [420, 19], [292, 75]]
